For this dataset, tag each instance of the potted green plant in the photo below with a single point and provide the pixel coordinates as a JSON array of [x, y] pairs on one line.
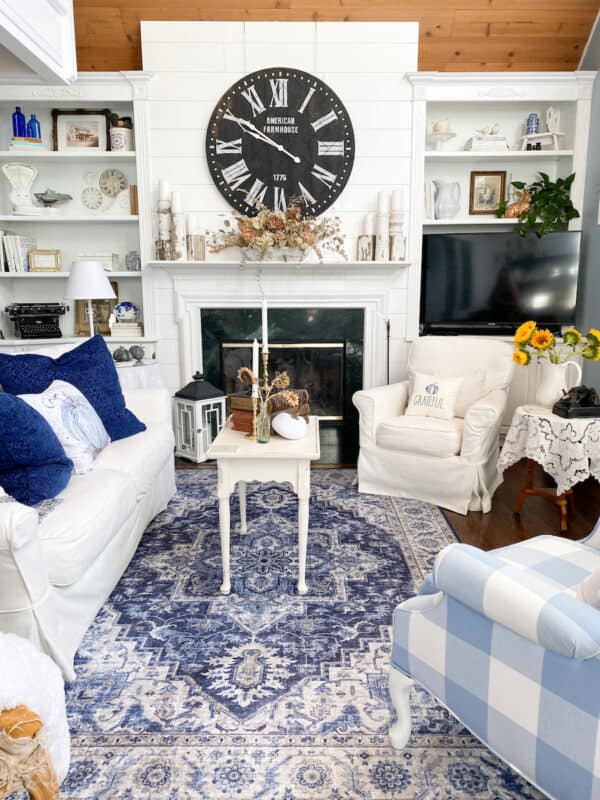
[[545, 206]]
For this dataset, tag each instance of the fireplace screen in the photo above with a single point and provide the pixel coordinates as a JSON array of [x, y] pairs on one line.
[[316, 366]]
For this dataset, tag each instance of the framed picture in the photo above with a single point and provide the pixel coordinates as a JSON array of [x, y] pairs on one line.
[[487, 192], [44, 261], [102, 311], [80, 129]]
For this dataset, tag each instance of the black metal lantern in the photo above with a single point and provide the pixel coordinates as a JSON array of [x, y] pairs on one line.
[[200, 414]]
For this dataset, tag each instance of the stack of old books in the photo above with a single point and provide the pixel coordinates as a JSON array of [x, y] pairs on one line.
[[292, 401], [487, 142]]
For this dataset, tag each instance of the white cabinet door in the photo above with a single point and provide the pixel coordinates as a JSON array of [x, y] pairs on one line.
[[37, 38]]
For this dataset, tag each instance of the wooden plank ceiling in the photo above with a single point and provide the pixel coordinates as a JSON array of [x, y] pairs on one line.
[[457, 36]]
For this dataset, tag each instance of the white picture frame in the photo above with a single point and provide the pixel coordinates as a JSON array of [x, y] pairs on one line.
[[80, 131]]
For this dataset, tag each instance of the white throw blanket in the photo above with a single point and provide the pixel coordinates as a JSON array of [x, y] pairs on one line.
[[30, 678]]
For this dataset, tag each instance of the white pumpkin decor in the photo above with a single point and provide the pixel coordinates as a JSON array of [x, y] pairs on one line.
[[289, 427]]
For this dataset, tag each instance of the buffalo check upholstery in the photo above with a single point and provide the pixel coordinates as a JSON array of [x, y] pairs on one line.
[[502, 640]]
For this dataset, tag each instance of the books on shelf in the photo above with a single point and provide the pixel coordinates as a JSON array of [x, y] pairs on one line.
[[127, 330], [484, 142], [26, 143], [14, 252]]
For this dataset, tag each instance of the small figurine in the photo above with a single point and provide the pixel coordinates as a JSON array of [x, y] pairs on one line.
[[489, 130], [515, 209]]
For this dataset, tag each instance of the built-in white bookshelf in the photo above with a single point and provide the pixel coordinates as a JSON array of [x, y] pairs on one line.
[[77, 230]]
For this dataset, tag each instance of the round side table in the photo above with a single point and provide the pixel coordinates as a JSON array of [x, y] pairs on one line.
[[567, 449]]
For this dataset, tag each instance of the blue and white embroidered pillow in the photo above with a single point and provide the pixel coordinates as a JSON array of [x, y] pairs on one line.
[[72, 418], [433, 396]]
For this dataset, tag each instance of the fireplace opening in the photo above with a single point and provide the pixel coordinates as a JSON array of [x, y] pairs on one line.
[[317, 366], [321, 349]]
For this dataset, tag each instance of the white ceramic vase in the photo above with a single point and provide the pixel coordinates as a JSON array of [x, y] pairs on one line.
[[552, 379], [446, 199]]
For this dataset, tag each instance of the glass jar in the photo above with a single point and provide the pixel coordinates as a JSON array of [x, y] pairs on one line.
[[263, 422]]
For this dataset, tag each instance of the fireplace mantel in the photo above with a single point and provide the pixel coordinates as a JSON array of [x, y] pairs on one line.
[[372, 286]]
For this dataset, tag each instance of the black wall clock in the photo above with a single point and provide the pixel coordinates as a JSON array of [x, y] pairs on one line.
[[277, 134]]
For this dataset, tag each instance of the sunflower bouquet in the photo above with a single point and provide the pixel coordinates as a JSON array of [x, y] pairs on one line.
[[533, 341]]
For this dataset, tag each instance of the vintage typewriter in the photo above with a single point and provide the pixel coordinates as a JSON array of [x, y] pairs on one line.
[[36, 320]]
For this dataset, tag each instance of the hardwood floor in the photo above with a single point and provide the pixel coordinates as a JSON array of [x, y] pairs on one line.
[[501, 527], [538, 515]]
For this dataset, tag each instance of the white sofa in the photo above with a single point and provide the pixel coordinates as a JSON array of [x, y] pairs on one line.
[[450, 463], [57, 571]]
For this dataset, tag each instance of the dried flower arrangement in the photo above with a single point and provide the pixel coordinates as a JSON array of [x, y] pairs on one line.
[[280, 381], [287, 230]]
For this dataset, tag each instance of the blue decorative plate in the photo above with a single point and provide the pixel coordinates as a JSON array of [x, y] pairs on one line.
[[126, 311]]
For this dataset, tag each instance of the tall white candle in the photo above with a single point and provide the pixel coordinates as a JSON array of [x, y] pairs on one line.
[[191, 223], [163, 189], [369, 225], [255, 367], [397, 200], [383, 203], [176, 204], [265, 327]]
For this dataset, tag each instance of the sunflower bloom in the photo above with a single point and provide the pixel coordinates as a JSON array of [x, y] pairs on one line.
[[543, 339], [572, 337], [524, 332], [521, 357], [595, 335]]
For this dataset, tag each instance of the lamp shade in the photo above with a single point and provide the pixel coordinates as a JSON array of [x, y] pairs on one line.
[[88, 281]]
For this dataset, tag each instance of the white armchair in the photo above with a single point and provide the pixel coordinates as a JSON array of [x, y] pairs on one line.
[[451, 463]]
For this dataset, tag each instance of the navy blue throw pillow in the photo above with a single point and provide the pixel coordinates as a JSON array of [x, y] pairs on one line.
[[90, 368], [33, 463]]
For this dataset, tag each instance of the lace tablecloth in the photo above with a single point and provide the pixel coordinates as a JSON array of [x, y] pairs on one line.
[[567, 449]]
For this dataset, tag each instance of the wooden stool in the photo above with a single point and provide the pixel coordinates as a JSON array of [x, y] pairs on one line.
[[562, 500], [24, 763]]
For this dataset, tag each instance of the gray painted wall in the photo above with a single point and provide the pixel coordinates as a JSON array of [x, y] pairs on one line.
[[588, 304]]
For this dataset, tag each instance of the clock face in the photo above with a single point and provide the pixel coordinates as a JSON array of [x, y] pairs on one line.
[[279, 134]]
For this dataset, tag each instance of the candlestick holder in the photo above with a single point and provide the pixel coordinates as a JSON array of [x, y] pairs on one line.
[[263, 423]]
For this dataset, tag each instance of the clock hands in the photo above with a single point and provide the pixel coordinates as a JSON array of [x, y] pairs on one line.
[[250, 128]]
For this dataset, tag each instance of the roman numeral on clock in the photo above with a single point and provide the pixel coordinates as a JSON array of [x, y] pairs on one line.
[[256, 194], [256, 104], [234, 147], [280, 203], [325, 120], [309, 200], [236, 174], [331, 148], [323, 175], [306, 100], [279, 90]]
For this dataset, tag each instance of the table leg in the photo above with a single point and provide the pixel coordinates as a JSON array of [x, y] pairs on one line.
[[242, 496], [526, 490], [563, 501], [224, 531], [303, 490]]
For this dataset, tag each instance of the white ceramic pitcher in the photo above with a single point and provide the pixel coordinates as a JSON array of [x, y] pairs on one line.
[[552, 379], [446, 199]]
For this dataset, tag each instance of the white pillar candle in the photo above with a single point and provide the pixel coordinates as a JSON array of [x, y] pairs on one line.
[[255, 367], [397, 200], [369, 225], [163, 189], [191, 223], [383, 203], [265, 327], [176, 204]]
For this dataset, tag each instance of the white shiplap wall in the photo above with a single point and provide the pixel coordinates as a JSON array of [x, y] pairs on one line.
[[195, 62]]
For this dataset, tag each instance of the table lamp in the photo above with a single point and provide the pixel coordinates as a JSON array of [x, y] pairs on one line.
[[88, 281]]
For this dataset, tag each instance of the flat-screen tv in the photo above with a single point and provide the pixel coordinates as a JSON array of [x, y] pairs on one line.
[[491, 282]]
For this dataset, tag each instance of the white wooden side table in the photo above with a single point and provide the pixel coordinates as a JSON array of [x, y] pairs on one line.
[[240, 459]]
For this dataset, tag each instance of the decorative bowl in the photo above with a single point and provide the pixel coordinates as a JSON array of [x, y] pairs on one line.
[[126, 311]]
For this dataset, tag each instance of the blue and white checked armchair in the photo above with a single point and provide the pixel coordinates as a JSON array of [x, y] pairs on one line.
[[502, 640]]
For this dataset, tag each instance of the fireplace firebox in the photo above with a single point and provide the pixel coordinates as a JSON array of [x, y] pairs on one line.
[[320, 348]]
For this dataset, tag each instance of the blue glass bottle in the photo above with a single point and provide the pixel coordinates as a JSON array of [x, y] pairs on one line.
[[18, 122], [33, 128]]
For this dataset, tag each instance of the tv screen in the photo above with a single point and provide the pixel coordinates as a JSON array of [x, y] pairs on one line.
[[475, 282]]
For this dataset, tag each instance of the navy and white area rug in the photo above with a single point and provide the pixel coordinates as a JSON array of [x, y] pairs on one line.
[[183, 694]]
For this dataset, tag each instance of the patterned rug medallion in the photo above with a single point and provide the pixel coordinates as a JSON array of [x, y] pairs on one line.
[[183, 694]]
